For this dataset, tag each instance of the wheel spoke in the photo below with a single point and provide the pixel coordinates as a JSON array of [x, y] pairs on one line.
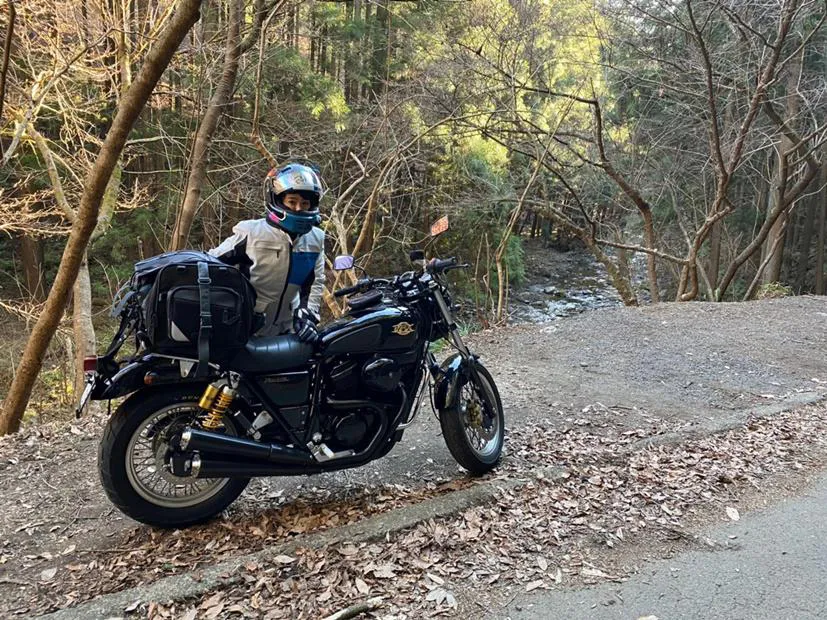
[[147, 469]]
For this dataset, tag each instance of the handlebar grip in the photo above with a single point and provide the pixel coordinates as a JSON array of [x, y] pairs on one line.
[[439, 265], [349, 290]]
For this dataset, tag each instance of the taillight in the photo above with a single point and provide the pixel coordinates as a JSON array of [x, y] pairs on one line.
[[90, 364]]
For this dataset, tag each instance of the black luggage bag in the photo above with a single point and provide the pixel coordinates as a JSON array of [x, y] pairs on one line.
[[195, 306]]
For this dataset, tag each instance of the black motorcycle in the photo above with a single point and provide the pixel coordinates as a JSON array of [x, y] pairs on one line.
[[184, 444]]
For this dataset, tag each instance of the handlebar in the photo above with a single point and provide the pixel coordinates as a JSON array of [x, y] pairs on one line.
[[443, 265], [349, 290], [361, 285], [435, 266]]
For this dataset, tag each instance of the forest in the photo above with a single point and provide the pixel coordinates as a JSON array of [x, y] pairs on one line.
[[681, 143]]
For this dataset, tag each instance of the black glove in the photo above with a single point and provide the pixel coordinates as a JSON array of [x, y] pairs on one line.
[[304, 324]]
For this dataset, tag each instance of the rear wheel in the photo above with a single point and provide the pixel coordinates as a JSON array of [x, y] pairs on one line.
[[474, 426], [133, 461]]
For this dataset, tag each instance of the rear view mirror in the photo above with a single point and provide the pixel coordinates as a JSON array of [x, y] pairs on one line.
[[340, 263], [416, 255], [440, 226]]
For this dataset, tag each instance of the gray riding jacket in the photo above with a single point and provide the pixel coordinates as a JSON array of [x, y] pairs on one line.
[[285, 273]]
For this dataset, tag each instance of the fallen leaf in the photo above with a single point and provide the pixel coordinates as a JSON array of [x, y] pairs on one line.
[[595, 572], [191, 614], [542, 563], [284, 559], [558, 575], [533, 585], [348, 550], [215, 611], [132, 606], [450, 601], [212, 601], [384, 572], [440, 595], [361, 586], [733, 513], [437, 580], [48, 574]]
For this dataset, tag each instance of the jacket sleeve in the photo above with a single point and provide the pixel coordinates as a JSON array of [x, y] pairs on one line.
[[233, 251], [314, 299]]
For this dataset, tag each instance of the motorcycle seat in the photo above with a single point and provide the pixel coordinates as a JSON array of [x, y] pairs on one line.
[[272, 353]]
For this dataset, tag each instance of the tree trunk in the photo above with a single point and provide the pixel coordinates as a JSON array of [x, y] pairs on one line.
[[714, 255], [130, 107], [381, 50], [324, 65], [4, 64], [352, 53], [822, 224], [82, 327], [805, 241], [313, 43], [31, 255], [651, 264], [204, 135], [776, 237]]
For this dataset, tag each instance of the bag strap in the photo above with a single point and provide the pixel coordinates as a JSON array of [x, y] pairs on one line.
[[124, 329], [205, 328]]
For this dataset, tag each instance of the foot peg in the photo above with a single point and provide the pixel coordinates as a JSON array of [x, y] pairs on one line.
[[323, 454]]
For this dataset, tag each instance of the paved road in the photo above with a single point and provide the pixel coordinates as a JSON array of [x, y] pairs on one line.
[[779, 571]]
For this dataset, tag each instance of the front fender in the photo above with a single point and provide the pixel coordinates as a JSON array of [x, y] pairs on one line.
[[453, 375]]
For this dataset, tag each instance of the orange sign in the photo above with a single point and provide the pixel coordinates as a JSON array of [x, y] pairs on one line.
[[440, 226]]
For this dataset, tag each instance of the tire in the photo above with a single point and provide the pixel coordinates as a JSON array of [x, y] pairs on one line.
[[456, 423], [143, 422]]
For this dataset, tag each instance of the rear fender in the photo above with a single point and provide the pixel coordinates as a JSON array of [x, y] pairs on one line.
[[126, 380], [453, 375]]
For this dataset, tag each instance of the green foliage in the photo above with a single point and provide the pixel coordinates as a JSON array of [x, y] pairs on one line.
[[289, 77], [514, 261]]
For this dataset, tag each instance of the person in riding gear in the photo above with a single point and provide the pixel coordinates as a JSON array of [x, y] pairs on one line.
[[283, 252]]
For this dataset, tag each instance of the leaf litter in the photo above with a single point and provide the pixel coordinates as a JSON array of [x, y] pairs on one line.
[[538, 536], [611, 495]]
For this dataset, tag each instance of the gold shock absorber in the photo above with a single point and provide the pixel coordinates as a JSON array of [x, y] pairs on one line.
[[216, 401]]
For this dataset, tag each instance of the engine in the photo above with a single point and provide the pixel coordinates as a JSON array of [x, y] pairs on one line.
[[372, 377], [361, 390]]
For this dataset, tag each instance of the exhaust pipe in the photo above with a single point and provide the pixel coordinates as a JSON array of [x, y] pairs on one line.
[[211, 468], [240, 448]]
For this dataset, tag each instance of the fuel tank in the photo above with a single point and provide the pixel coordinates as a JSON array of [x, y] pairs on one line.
[[384, 328]]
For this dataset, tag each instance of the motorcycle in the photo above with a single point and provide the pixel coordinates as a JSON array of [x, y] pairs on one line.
[[182, 447]]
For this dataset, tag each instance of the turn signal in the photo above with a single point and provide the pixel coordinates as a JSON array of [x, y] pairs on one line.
[[90, 364]]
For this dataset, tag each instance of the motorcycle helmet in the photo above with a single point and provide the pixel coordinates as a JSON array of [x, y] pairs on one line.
[[293, 179]]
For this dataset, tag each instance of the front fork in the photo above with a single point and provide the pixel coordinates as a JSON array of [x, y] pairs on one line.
[[453, 329]]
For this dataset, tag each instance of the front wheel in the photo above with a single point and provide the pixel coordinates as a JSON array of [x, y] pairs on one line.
[[133, 461], [474, 424]]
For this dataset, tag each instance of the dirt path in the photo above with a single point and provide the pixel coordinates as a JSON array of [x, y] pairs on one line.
[[657, 369], [677, 363]]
